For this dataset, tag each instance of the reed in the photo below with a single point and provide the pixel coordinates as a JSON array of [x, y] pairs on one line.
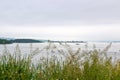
[[77, 65]]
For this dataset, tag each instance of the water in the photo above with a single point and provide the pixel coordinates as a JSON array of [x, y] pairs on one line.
[[25, 48]]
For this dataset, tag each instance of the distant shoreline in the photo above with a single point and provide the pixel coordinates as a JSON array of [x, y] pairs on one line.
[[10, 41]]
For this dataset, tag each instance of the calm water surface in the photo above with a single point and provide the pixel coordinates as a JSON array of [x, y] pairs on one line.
[[26, 48]]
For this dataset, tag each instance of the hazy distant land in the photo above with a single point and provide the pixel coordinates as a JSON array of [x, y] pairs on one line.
[[10, 41]]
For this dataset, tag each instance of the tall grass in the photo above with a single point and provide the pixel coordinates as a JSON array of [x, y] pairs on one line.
[[77, 65]]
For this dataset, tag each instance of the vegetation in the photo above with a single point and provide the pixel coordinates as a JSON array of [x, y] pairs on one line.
[[4, 41], [8, 41], [27, 41], [79, 65]]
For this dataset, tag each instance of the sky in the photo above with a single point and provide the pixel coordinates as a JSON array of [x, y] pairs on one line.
[[94, 20]]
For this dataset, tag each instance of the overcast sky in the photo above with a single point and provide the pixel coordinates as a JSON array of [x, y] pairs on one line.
[[60, 19]]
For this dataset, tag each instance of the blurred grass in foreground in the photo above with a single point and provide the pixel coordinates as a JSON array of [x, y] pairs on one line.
[[79, 65]]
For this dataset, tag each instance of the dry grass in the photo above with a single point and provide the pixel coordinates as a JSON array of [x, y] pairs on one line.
[[77, 65]]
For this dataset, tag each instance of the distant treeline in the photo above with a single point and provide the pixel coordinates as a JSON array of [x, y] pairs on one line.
[[68, 41], [10, 41], [26, 41], [5, 41]]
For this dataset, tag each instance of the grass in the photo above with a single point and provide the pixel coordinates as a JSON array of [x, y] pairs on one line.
[[79, 65]]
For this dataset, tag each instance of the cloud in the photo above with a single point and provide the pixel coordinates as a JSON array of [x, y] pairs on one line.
[[60, 19], [59, 12]]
